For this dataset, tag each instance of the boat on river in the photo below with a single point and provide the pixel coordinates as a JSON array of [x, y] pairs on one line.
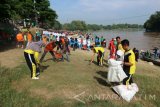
[[150, 59]]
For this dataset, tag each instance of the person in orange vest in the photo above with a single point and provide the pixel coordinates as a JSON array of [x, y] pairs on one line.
[[49, 48], [29, 38], [20, 40]]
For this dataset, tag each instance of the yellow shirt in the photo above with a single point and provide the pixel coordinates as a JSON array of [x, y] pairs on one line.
[[130, 57], [99, 49]]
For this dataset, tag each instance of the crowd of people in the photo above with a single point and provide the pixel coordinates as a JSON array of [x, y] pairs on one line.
[[121, 58], [59, 45], [127, 62]]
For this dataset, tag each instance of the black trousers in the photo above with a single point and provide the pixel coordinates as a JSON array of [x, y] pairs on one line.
[[44, 54], [128, 80], [100, 58], [34, 68]]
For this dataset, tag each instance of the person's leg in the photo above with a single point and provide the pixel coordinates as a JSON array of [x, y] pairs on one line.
[[18, 43], [128, 80], [43, 55], [98, 60], [68, 49], [35, 67], [74, 47], [81, 46], [22, 44], [28, 61], [51, 52], [67, 56], [63, 57], [101, 58], [31, 64], [89, 47]]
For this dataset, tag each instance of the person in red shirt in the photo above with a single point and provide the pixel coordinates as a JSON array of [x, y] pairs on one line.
[[49, 48], [112, 47]]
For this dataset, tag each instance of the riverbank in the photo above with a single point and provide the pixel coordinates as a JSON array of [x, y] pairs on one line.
[[60, 82]]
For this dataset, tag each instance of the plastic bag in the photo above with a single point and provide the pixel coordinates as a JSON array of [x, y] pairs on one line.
[[115, 71], [126, 92]]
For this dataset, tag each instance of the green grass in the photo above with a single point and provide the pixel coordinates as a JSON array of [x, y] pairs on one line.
[[10, 97], [60, 82]]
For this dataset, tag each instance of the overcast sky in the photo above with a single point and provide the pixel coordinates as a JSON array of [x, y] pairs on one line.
[[105, 11]]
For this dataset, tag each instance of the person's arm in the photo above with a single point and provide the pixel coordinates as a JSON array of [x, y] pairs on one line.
[[127, 63], [92, 58], [63, 49], [131, 60]]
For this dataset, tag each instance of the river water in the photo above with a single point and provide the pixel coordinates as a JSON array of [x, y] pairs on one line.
[[138, 38]]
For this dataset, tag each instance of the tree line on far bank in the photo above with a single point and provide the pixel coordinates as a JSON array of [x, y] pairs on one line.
[[153, 23], [82, 26]]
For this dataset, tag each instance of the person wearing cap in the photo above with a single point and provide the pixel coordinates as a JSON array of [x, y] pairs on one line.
[[100, 54], [31, 54]]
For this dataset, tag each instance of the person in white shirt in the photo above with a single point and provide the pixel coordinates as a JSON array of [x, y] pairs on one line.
[[79, 43], [115, 70], [88, 44]]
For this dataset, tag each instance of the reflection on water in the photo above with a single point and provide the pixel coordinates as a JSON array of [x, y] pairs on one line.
[[138, 39]]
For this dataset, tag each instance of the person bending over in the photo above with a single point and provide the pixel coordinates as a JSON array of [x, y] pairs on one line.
[[49, 48], [100, 54], [31, 54]]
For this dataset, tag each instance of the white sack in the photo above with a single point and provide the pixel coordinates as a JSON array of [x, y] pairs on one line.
[[115, 71], [126, 92]]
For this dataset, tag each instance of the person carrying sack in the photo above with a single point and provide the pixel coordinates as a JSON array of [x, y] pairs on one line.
[[115, 70], [129, 64]]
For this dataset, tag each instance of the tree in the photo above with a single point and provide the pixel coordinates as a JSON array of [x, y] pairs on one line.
[[153, 23], [28, 9], [47, 16], [57, 25], [75, 25], [5, 10]]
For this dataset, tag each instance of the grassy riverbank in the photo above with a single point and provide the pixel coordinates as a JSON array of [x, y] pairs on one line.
[[60, 82]]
